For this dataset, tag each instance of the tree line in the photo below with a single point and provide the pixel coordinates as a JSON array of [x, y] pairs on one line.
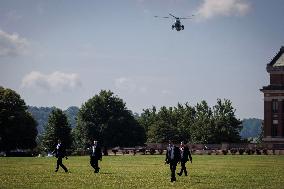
[[106, 118], [195, 124]]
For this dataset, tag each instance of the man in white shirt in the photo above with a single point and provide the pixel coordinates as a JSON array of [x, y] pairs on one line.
[[172, 158], [185, 156], [60, 152], [95, 156]]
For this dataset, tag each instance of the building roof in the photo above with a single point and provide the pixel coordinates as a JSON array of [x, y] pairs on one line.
[[273, 87], [277, 63]]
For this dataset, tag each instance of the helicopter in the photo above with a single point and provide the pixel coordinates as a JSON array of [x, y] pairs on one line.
[[177, 25]]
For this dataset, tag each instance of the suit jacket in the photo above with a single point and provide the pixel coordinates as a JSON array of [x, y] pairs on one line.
[[97, 153], [60, 152], [185, 155], [176, 154]]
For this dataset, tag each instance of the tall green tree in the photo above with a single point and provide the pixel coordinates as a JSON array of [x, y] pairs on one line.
[[165, 127], [201, 130], [226, 126], [171, 123], [57, 128], [17, 126], [147, 119], [196, 124], [261, 134], [105, 117], [185, 119]]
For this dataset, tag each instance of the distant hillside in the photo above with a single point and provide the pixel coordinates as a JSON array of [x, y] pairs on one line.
[[41, 114], [251, 128], [71, 114]]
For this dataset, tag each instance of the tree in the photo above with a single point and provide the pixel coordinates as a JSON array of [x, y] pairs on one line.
[[226, 126], [165, 127], [201, 130], [147, 119], [261, 134], [123, 131], [105, 117], [171, 123], [215, 125], [196, 124], [185, 119], [17, 126], [57, 128]]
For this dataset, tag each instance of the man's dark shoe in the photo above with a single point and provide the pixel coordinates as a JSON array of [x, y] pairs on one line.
[[56, 170], [179, 174]]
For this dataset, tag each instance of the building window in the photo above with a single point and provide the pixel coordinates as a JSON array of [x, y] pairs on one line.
[[274, 130], [274, 106], [275, 122]]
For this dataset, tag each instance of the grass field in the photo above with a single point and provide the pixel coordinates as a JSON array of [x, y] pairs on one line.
[[144, 172]]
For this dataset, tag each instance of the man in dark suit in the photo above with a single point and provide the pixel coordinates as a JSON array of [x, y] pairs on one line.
[[60, 152], [95, 156], [172, 158], [185, 156]]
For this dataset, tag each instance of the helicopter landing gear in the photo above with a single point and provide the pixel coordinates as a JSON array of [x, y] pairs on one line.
[[173, 27], [182, 27]]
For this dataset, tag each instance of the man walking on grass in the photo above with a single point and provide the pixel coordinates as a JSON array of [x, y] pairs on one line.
[[172, 158], [185, 156], [95, 156], [60, 152]]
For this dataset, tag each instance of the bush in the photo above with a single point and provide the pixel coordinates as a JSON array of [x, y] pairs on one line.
[[114, 151], [105, 152], [241, 151], [258, 152], [125, 152], [152, 151], [250, 151], [265, 151], [143, 151], [224, 152], [233, 151]]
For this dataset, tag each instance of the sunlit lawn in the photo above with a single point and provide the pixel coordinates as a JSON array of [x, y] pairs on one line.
[[144, 171]]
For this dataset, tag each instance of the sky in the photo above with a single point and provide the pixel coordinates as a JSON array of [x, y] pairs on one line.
[[63, 52]]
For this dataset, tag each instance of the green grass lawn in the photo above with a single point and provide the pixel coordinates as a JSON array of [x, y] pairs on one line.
[[144, 171]]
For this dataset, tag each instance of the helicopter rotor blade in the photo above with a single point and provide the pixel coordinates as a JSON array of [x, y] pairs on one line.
[[161, 16], [173, 16], [187, 17]]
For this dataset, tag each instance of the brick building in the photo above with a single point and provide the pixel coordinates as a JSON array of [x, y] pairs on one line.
[[274, 102]]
